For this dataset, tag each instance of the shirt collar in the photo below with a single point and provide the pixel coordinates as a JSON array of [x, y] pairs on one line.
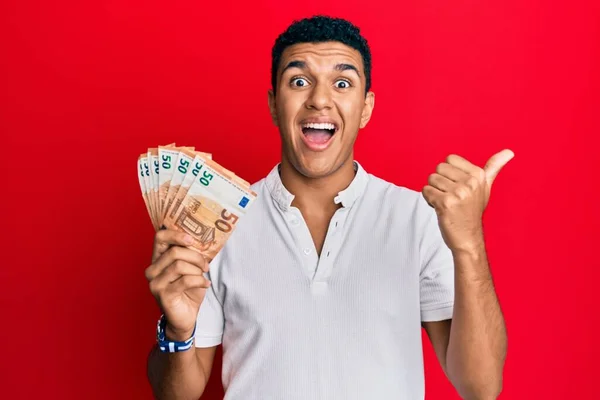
[[283, 198]]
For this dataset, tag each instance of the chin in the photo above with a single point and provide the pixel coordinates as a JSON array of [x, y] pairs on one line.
[[317, 168], [320, 162]]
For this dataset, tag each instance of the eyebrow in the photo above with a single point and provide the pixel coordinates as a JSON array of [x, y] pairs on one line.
[[338, 67], [347, 67], [294, 64]]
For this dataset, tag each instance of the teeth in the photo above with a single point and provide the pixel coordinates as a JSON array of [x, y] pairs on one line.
[[323, 125]]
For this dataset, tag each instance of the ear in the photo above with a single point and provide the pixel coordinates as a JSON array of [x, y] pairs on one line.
[[367, 109], [272, 107]]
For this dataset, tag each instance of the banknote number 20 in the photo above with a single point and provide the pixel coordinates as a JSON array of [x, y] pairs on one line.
[[222, 224]]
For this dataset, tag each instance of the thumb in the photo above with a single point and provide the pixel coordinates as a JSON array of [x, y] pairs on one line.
[[496, 163]]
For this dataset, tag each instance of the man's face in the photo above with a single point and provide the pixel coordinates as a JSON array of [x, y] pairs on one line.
[[320, 105]]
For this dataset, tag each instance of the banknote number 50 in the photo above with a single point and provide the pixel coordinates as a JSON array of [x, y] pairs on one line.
[[222, 224], [206, 178], [166, 161], [184, 164]]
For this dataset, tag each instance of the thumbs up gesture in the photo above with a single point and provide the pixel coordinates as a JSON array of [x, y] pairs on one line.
[[459, 192]]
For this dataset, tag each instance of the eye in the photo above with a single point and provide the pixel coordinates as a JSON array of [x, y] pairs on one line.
[[299, 82], [342, 84]]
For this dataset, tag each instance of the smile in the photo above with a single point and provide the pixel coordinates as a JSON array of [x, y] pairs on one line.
[[318, 134]]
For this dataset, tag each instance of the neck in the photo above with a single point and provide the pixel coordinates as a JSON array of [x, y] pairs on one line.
[[316, 193]]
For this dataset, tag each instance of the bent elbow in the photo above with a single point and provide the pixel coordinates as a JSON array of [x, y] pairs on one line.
[[489, 390]]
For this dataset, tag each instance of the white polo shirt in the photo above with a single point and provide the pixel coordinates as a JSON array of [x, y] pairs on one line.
[[345, 325]]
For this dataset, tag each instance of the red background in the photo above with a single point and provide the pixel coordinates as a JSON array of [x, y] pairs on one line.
[[87, 86]]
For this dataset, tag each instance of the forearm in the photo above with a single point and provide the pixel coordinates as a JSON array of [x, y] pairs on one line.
[[477, 344], [176, 375]]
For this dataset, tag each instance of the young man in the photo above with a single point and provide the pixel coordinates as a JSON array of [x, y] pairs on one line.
[[322, 290]]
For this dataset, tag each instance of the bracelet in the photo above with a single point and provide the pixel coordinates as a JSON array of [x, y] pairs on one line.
[[168, 346]]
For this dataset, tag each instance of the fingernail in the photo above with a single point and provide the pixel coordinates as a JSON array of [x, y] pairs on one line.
[[188, 239]]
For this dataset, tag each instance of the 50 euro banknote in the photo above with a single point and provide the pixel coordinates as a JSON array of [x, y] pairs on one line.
[[145, 187], [183, 179], [211, 208], [176, 163]]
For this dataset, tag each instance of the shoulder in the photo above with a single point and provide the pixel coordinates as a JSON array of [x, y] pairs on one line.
[[396, 196], [259, 185], [255, 214], [398, 202], [262, 192], [244, 236]]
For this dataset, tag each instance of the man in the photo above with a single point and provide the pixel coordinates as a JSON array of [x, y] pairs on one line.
[[322, 290]]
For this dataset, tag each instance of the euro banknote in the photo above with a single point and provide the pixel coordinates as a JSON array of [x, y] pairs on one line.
[[186, 190]]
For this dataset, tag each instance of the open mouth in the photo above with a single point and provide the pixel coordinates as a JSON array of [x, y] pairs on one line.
[[319, 133]]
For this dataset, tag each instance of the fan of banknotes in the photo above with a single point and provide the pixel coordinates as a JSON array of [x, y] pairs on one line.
[[187, 191]]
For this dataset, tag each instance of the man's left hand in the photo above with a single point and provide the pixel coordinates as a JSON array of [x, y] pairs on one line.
[[459, 192]]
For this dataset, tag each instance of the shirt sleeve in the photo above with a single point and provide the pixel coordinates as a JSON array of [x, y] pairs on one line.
[[437, 272], [210, 319]]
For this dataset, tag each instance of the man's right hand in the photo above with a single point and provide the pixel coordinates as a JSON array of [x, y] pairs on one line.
[[177, 281]]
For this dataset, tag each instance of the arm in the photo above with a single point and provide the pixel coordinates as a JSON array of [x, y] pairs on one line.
[[182, 375], [471, 347], [176, 279]]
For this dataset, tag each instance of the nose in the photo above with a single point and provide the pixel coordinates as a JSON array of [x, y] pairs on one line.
[[320, 97]]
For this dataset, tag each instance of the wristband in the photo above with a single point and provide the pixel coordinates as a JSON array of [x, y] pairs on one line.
[[168, 346]]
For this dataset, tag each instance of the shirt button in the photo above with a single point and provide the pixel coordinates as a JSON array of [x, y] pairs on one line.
[[307, 251], [294, 222]]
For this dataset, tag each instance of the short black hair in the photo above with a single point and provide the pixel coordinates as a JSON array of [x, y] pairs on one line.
[[320, 29]]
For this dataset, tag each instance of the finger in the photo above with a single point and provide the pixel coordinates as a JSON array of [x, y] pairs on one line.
[[173, 254], [188, 282], [496, 163], [440, 182], [462, 164], [178, 269], [452, 172], [173, 274], [166, 238], [431, 195]]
